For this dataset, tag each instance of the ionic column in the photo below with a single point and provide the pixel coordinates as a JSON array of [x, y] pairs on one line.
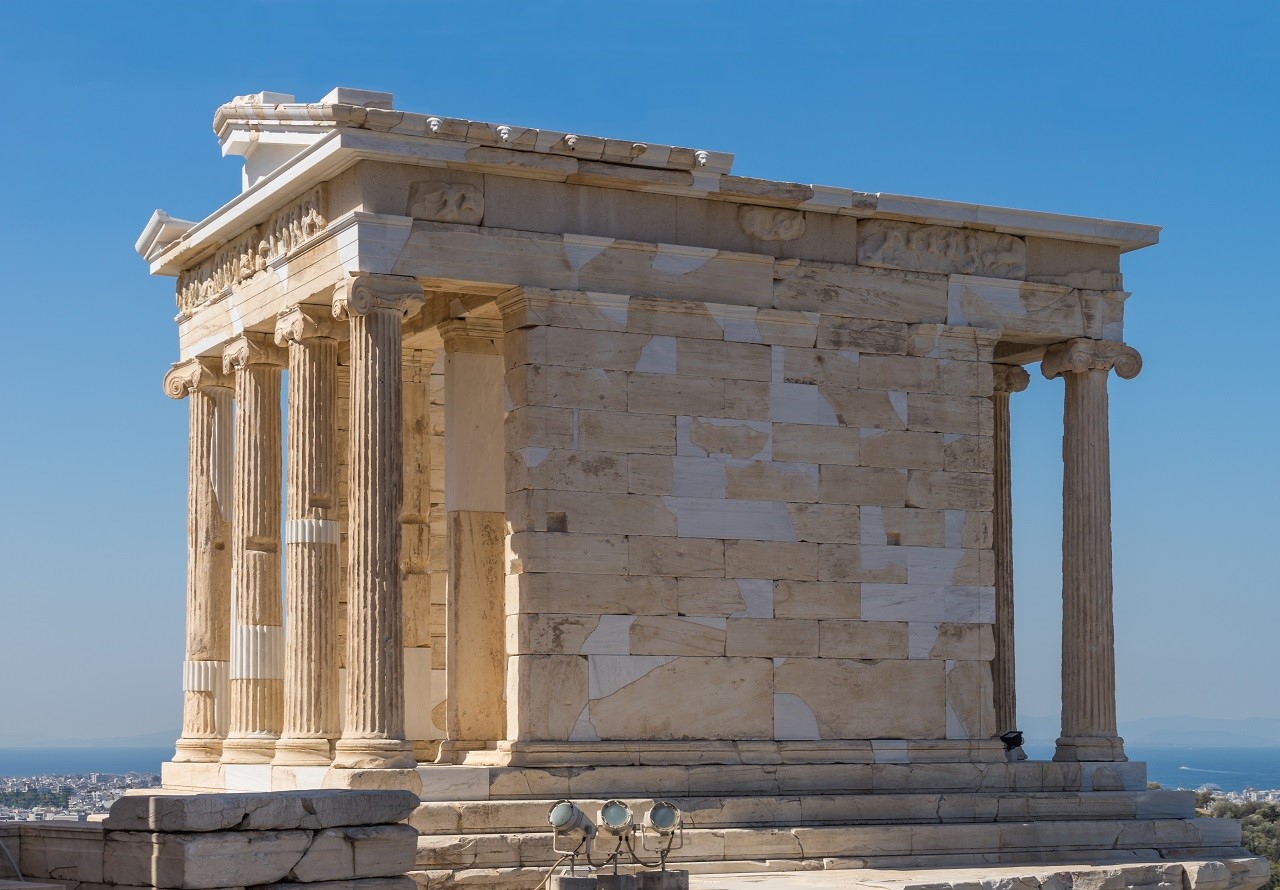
[[415, 555], [1088, 633], [257, 641], [311, 538], [1006, 379], [204, 672], [373, 735], [475, 505]]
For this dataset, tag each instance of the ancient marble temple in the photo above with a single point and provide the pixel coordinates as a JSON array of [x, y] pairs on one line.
[[610, 473]]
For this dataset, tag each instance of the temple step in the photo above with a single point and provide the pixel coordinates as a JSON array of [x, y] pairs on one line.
[[788, 811], [1065, 839], [990, 871], [444, 783]]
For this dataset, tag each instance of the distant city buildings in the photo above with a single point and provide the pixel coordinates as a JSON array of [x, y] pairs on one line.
[[76, 798]]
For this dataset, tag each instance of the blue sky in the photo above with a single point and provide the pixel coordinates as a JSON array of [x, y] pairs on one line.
[[1161, 113]]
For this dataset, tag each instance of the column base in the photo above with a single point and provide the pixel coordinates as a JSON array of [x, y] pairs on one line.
[[373, 754], [303, 752], [454, 750], [198, 750], [1088, 749], [248, 749]]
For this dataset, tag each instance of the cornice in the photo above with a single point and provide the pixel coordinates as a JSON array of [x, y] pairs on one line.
[[331, 137]]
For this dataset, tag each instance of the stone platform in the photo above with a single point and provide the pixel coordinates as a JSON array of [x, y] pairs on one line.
[[1090, 875], [486, 826]]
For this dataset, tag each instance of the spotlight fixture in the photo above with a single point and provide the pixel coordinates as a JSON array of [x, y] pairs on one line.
[[616, 818], [571, 825], [664, 818]]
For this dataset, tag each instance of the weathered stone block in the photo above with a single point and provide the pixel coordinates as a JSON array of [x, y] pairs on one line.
[[368, 851], [276, 810]]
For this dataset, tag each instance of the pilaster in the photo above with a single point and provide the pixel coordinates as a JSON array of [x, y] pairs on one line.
[[1088, 629], [416, 555], [1007, 379], [475, 505]]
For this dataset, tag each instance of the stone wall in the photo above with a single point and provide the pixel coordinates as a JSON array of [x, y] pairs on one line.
[[329, 839], [787, 511]]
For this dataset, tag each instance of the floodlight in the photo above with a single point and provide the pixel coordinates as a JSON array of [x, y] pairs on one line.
[[571, 824], [664, 818], [616, 818]]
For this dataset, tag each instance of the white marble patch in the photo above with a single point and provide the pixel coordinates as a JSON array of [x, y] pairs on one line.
[[778, 366], [679, 259], [306, 778], [955, 726], [737, 322], [850, 355], [877, 557], [890, 751], [757, 596], [793, 719], [698, 477], [582, 249], [611, 306], [899, 402], [534, 455], [310, 531], [612, 636], [871, 519], [932, 565], [1003, 296], [441, 782], [971, 605], [829, 196], [800, 403], [922, 636], [606, 674], [747, 520], [658, 356], [583, 729], [246, 776], [953, 528]]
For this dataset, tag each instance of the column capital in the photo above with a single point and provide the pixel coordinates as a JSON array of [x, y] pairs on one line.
[[252, 348], [362, 294], [1009, 378], [186, 377], [481, 336], [307, 322], [1080, 355]]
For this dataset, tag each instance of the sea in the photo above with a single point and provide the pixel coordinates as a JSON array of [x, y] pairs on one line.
[[1230, 769]]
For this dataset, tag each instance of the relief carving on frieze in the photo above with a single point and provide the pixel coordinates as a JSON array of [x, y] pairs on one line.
[[770, 223], [446, 202], [251, 252], [944, 249]]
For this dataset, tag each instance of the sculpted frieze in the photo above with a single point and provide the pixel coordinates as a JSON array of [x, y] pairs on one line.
[[253, 251], [945, 249], [446, 202], [770, 223]]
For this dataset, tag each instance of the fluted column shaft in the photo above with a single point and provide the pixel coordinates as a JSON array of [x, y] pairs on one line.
[[373, 735], [1007, 379], [204, 675], [257, 685], [1088, 631], [311, 538]]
